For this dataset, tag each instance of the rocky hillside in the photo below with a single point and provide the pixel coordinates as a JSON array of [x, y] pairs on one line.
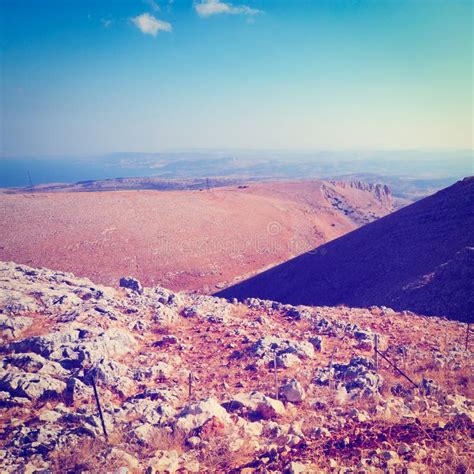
[[381, 191], [418, 258], [184, 240], [191, 383]]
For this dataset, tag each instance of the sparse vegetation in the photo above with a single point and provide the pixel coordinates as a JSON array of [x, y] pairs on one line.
[[345, 412]]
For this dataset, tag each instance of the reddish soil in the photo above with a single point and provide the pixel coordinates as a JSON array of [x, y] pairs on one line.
[[191, 240]]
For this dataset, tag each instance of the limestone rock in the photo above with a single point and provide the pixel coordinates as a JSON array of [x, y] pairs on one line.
[[317, 342], [131, 284], [256, 404], [287, 360], [197, 414], [31, 386], [293, 392], [34, 363], [266, 348], [358, 376], [164, 462], [295, 468], [12, 326]]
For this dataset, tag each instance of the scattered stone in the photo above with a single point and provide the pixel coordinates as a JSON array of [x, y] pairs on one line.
[[119, 456], [293, 313], [389, 456], [287, 360], [403, 449], [49, 403], [34, 363], [256, 404], [77, 390], [365, 340], [31, 386], [267, 347], [190, 312], [165, 315], [317, 342], [139, 325], [114, 375], [325, 327], [359, 415], [12, 326], [321, 432], [195, 415], [429, 387], [131, 284], [49, 416], [296, 468], [194, 442], [145, 433], [164, 462], [166, 341], [358, 376], [293, 392], [399, 390]]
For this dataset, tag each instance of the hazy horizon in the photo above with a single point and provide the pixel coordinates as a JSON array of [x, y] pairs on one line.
[[210, 150], [190, 164]]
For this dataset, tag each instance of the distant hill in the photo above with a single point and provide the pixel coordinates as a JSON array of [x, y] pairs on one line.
[[131, 184], [191, 239], [419, 258]]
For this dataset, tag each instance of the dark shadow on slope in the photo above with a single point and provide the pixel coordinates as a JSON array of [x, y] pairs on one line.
[[380, 263]]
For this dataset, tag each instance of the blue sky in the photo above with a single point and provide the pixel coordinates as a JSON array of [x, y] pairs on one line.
[[87, 77]]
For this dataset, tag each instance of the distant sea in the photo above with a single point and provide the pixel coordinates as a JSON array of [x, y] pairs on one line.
[[16, 172]]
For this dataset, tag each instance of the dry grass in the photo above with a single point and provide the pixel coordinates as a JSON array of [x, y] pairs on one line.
[[87, 455], [98, 455], [94, 455], [165, 440], [219, 456]]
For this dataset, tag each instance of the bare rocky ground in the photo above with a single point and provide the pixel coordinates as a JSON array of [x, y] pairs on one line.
[[326, 407]]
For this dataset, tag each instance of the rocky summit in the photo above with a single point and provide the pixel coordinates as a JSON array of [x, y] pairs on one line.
[[190, 383]]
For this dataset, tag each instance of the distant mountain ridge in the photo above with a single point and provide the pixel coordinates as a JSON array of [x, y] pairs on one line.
[[401, 261]]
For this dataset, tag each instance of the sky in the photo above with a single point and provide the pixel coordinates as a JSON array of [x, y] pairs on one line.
[[91, 77]]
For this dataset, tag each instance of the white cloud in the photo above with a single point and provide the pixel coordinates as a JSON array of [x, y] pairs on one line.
[[107, 23], [149, 25], [207, 8]]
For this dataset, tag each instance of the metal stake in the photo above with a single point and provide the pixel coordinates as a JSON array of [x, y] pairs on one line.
[[275, 374], [101, 416], [376, 350], [190, 385]]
